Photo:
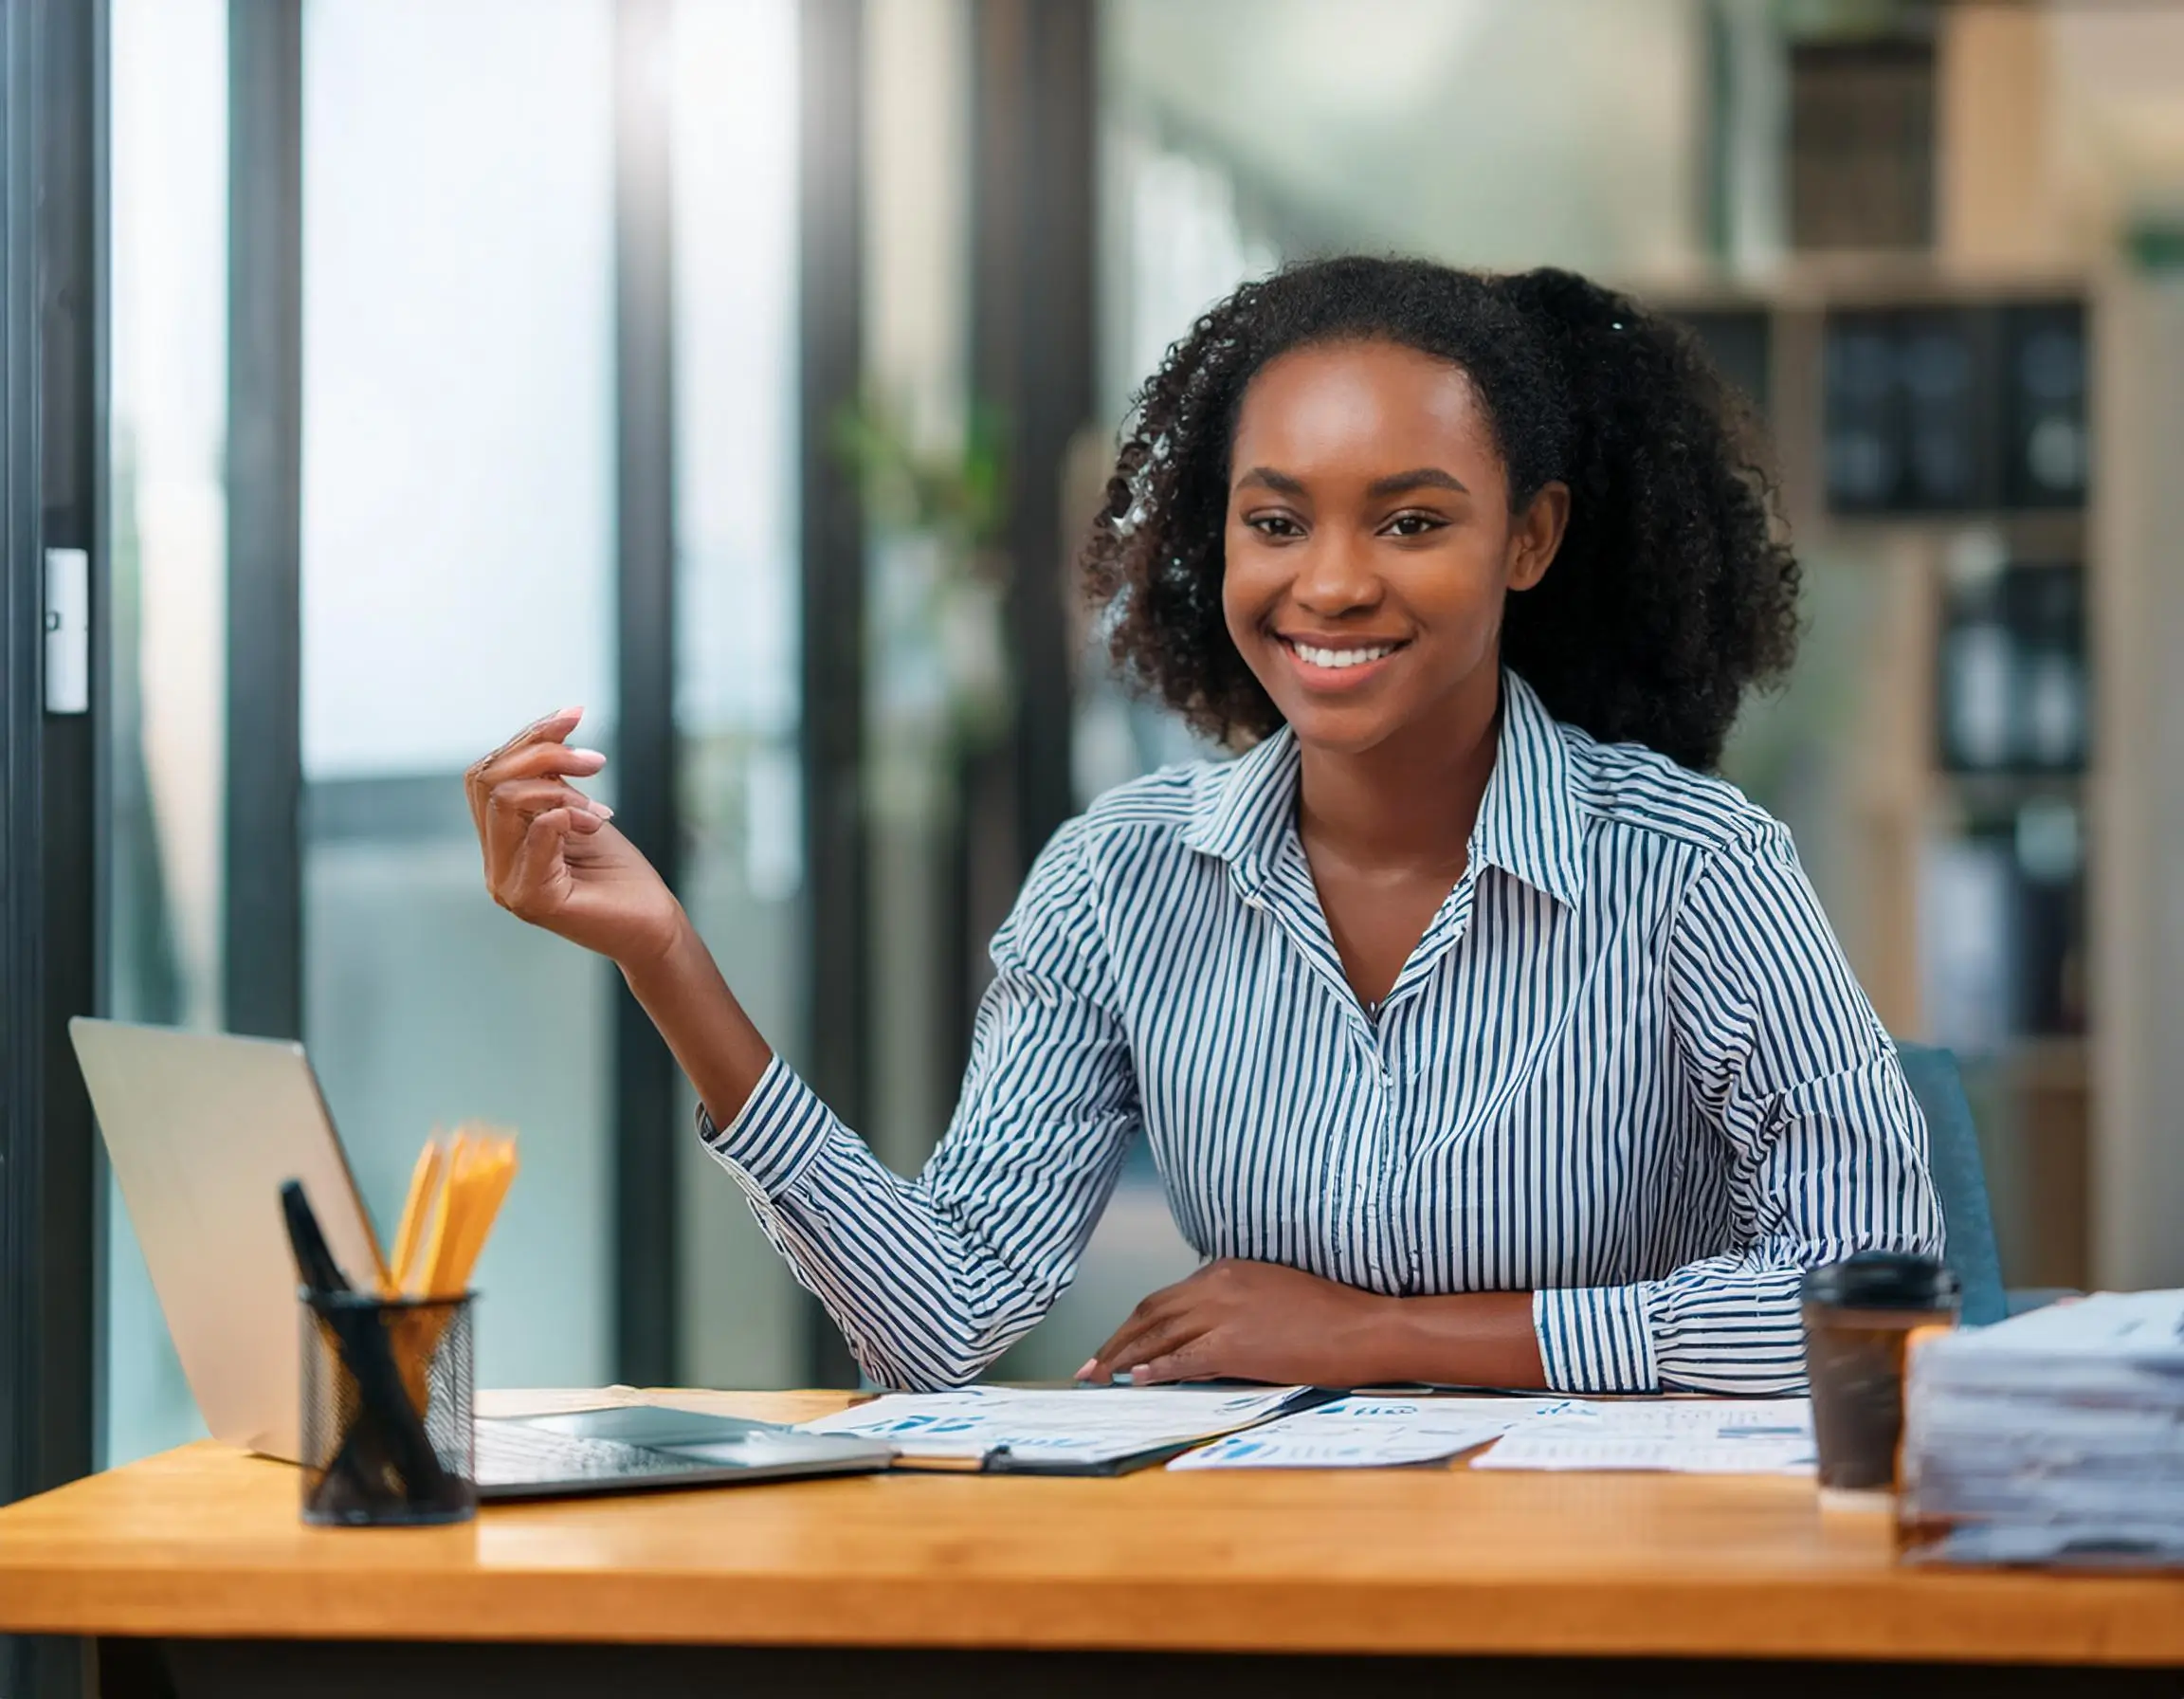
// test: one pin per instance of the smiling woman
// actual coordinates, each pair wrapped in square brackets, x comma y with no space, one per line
[1477,1037]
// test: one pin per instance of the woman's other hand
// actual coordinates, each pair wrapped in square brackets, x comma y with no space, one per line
[1251,1322]
[552,858]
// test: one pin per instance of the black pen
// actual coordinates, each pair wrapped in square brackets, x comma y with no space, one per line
[362,1342]
[315,1261]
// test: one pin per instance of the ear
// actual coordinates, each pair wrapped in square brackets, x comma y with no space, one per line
[1537,535]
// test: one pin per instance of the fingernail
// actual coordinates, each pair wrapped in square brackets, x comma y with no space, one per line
[591,755]
[1085,1372]
[602,811]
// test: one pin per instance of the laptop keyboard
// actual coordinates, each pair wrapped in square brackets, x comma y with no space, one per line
[515,1455]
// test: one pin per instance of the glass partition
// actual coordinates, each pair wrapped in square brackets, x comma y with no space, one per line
[167,96]
[737,704]
[458,569]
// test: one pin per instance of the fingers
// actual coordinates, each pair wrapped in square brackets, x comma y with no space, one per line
[1151,1312]
[527,837]
[510,809]
[539,760]
[530,888]
[1193,1360]
[554,728]
[521,798]
[1102,1362]
[542,736]
[551,727]
[1159,1342]
[1164,1319]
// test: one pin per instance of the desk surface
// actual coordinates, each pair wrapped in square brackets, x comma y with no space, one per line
[205,1541]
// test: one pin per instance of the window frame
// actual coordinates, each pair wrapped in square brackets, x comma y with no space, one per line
[52,481]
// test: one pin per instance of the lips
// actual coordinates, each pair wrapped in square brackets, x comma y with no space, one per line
[1325,663]
[1322,655]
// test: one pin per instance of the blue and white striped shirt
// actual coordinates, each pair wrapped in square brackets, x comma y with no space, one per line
[1626,1068]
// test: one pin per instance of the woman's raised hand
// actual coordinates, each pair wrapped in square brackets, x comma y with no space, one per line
[552,858]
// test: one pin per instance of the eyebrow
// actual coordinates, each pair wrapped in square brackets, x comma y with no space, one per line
[1379,489]
[1281,482]
[1418,478]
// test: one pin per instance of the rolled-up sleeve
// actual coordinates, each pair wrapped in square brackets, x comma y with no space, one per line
[1823,1145]
[930,1279]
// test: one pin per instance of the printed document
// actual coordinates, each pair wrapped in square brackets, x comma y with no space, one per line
[1368,1431]
[1712,1436]
[1083,1426]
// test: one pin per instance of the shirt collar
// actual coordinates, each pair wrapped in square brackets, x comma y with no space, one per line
[1528,821]
[1249,807]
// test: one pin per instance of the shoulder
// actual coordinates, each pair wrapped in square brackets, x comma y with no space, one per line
[1150,815]
[1125,854]
[1137,830]
[1728,870]
[1627,788]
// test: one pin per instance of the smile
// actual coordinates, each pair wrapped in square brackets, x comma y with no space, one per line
[1349,657]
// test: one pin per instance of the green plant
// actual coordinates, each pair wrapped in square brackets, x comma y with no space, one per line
[957,495]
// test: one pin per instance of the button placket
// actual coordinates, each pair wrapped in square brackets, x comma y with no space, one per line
[1387,1166]
[1445,932]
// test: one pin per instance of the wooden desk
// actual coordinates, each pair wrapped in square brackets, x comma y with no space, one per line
[200,1552]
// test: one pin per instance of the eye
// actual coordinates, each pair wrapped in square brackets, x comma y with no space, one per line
[1275,524]
[1414,525]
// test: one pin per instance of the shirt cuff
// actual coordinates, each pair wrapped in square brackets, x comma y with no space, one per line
[1595,1339]
[775,1136]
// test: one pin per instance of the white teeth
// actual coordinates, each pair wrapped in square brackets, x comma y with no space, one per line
[1342,657]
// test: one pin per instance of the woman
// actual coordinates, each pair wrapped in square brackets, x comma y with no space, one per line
[1478,1039]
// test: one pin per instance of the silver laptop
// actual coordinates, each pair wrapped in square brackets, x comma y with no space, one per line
[202,1130]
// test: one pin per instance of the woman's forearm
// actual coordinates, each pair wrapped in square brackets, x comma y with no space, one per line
[927,1290]
[1469,1338]
[1268,1322]
[714,1041]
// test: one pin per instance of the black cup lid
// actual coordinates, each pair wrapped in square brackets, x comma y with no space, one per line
[1884,1280]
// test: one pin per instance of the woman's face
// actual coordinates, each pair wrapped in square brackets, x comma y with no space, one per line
[1370,542]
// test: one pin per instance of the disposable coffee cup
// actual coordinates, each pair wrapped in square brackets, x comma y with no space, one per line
[1858,1314]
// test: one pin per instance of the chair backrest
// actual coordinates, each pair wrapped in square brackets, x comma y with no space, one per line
[1953,1153]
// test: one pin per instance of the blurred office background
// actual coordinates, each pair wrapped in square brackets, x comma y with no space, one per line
[742,370]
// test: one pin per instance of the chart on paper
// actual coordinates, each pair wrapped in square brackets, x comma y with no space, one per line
[1082,1426]
[1368,1431]
[1678,1435]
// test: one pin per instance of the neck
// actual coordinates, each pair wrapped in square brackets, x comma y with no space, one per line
[1409,802]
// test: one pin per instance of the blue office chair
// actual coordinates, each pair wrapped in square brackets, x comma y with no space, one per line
[1953,1151]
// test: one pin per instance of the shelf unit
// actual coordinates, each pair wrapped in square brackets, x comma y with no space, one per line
[2040,1098]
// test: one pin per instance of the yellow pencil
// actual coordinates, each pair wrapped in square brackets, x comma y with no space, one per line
[416,1208]
[494,1173]
[452,1169]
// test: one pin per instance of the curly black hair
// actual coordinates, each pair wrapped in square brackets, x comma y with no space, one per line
[1673,591]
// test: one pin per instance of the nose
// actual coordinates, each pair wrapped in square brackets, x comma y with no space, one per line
[1334,577]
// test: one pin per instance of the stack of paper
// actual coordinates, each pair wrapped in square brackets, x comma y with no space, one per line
[2057,1437]
[1714,1436]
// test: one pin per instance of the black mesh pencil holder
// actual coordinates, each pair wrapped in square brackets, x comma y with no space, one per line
[388,1388]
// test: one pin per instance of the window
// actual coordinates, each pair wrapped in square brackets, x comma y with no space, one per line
[458,560]
[738,707]
[167,519]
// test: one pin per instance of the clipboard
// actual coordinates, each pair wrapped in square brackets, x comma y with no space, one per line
[1012,1460]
